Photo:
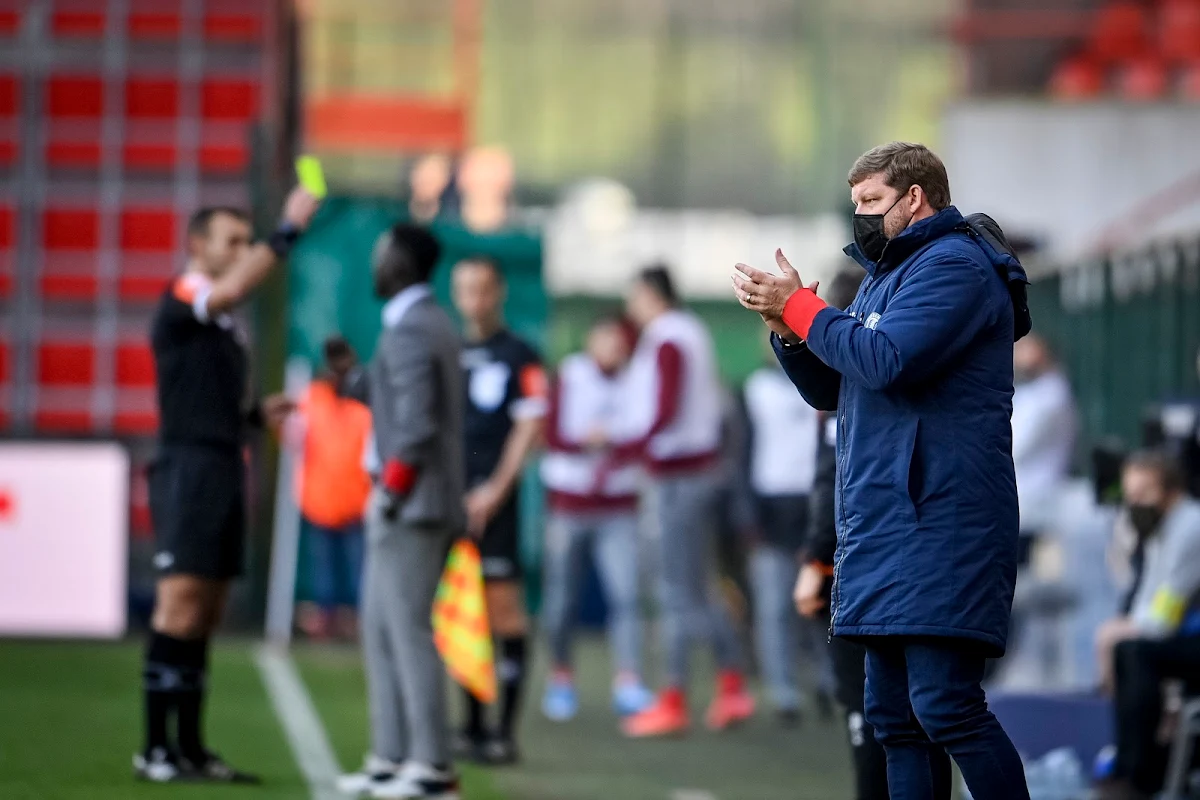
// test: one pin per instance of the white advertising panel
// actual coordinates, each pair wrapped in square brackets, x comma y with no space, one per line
[64,535]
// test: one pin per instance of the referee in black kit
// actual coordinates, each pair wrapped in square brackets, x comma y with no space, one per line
[196,482]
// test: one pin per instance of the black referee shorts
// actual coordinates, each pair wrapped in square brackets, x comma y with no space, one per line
[500,547]
[198,506]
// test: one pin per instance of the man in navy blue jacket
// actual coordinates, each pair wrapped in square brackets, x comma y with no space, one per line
[919,369]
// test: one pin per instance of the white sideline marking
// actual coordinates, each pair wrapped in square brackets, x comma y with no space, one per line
[301,725]
[692,794]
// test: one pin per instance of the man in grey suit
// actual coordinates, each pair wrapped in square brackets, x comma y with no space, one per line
[414,513]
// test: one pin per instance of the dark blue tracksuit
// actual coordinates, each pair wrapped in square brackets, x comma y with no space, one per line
[919,370]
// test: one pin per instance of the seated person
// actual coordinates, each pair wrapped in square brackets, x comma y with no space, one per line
[1167,525]
[1140,650]
[1142,666]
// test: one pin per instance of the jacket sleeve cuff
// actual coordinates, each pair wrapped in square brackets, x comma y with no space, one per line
[800,310]
[398,477]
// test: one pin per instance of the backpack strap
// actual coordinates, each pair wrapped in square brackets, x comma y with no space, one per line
[990,238]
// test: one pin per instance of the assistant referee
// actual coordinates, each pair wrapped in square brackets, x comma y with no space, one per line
[197,481]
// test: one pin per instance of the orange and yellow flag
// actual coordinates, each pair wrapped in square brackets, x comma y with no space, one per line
[460,623]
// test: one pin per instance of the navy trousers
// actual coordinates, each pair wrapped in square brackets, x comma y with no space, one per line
[926,693]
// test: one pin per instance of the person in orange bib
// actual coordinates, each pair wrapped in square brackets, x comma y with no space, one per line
[332,486]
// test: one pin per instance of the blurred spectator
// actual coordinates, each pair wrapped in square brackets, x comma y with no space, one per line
[1166,556]
[735,512]
[332,487]
[592,508]
[674,374]
[1043,425]
[1142,667]
[428,181]
[485,183]
[782,451]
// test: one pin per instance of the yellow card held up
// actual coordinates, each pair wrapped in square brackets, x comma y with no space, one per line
[312,177]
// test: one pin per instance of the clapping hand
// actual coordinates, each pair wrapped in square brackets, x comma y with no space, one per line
[767,294]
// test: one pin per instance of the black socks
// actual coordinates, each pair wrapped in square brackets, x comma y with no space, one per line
[191,702]
[510,671]
[475,728]
[173,679]
[510,674]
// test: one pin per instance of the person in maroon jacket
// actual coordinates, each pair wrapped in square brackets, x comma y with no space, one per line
[591,507]
[675,386]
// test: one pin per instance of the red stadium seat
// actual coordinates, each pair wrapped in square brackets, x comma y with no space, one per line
[1142,80]
[1077,78]
[1179,30]
[74,104]
[62,421]
[234,21]
[135,423]
[4,359]
[1119,32]
[10,22]
[75,287]
[66,363]
[148,156]
[147,230]
[10,96]
[69,235]
[73,154]
[233,27]
[142,288]
[74,96]
[149,145]
[234,99]
[151,25]
[7,245]
[134,364]
[224,158]
[151,97]
[8,152]
[70,228]
[155,19]
[77,19]
[7,228]
[136,412]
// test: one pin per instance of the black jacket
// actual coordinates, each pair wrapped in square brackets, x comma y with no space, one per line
[821,541]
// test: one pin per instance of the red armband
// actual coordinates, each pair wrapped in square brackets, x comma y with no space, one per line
[800,310]
[398,477]
[822,567]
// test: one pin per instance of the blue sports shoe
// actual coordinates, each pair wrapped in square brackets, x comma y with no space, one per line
[561,701]
[631,697]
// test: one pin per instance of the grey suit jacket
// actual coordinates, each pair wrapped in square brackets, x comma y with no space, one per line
[417,408]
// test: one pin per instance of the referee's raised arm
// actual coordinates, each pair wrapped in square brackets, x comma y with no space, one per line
[232,287]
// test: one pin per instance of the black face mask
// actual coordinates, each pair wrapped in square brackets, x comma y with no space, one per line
[1145,519]
[868,231]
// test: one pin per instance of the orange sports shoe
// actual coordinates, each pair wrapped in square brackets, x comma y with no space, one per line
[732,704]
[668,716]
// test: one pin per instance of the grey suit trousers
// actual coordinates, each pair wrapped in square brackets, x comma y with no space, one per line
[405,676]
